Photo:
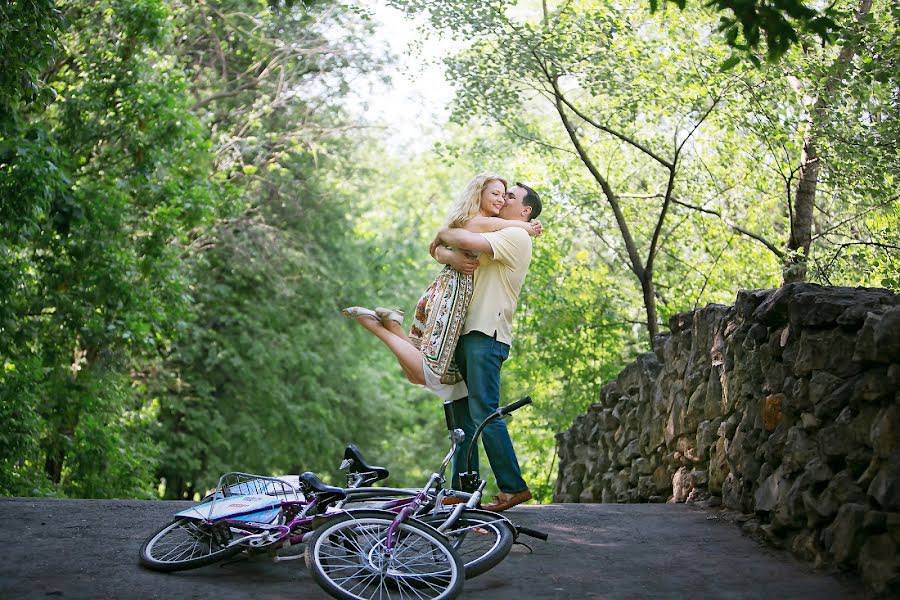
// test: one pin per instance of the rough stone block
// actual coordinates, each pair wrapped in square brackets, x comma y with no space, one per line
[718,466]
[630,452]
[767,494]
[700,478]
[884,435]
[748,300]
[803,545]
[885,487]
[835,401]
[800,396]
[642,466]
[873,386]
[821,384]
[843,538]
[706,437]
[841,490]
[790,511]
[879,338]
[879,563]
[590,494]
[682,484]
[809,421]
[772,449]
[799,449]
[675,424]
[771,410]
[830,350]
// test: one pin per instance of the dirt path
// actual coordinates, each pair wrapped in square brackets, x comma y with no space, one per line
[88,549]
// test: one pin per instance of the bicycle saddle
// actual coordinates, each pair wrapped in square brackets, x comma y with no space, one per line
[355,462]
[312,481]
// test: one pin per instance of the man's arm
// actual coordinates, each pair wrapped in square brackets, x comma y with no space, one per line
[458,261]
[482,224]
[457,237]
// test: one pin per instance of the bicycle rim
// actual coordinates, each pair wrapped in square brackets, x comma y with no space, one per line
[349,558]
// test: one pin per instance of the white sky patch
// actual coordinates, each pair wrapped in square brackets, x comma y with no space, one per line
[414,106]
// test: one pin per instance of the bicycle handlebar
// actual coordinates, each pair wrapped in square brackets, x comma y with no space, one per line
[505,410]
[499,413]
[533,533]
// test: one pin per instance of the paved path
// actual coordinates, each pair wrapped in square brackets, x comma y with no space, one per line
[87,549]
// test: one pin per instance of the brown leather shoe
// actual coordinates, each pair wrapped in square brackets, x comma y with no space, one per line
[448,501]
[505,501]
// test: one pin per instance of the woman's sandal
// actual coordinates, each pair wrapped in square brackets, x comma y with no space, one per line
[358,311]
[389,314]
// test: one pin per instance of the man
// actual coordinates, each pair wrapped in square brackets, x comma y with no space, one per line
[487,334]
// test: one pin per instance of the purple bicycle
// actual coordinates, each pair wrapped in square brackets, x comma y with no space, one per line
[353,554]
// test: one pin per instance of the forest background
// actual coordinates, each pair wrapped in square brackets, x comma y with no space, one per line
[191,190]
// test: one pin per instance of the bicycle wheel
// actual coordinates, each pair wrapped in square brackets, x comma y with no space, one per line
[187,544]
[349,559]
[480,539]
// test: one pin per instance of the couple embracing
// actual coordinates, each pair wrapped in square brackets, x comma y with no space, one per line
[462,328]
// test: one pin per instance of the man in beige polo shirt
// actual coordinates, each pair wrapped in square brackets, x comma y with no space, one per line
[487,335]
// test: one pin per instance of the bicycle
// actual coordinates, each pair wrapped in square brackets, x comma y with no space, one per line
[353,554]
[481,538]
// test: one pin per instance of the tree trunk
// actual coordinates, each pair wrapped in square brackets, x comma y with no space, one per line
[795,268]
[649,293]
[795,265]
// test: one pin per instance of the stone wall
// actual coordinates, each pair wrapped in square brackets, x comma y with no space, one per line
[784,407]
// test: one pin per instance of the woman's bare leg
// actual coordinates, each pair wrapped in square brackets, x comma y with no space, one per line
[408,356]
[397,329]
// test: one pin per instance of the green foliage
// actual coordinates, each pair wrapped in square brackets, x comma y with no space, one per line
[29,40]
[186,204]
[94,188]
[753,26]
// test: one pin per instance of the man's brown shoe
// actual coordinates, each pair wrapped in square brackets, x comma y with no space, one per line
[450,500]
[504,501]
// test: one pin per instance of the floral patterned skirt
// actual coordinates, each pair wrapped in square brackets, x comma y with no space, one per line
[438,321]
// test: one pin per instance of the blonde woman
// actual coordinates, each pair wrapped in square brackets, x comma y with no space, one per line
[426,354]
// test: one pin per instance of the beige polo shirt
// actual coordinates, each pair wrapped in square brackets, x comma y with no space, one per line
[498,282]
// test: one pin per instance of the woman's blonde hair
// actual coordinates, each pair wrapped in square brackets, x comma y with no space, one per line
[469,201]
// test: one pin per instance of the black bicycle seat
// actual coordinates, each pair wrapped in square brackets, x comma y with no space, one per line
[359,464]
[315,484]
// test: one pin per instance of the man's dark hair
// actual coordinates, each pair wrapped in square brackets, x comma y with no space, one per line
[531,200]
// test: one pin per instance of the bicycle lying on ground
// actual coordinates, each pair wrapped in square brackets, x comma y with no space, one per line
[410,546]
[481,538]
[354,554]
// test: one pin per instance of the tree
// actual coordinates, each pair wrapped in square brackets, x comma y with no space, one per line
[802,206]
[592,67]
[262,376]
[96,185]
[649,92]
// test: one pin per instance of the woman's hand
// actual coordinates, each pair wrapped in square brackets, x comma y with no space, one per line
[434,244]
[536,228]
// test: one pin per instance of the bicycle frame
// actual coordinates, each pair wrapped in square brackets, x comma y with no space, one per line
[424,499]
[261,535]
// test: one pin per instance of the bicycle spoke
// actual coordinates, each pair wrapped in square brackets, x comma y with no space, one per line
[354,557]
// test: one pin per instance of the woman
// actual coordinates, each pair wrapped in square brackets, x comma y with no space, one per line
[426,354]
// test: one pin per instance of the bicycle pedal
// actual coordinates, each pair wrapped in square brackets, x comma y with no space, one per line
[277,558]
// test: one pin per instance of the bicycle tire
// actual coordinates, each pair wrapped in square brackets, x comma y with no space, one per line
[185,544]
[482,547]
[347,558]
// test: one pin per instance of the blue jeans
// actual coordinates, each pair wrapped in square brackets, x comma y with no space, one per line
[479,358]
